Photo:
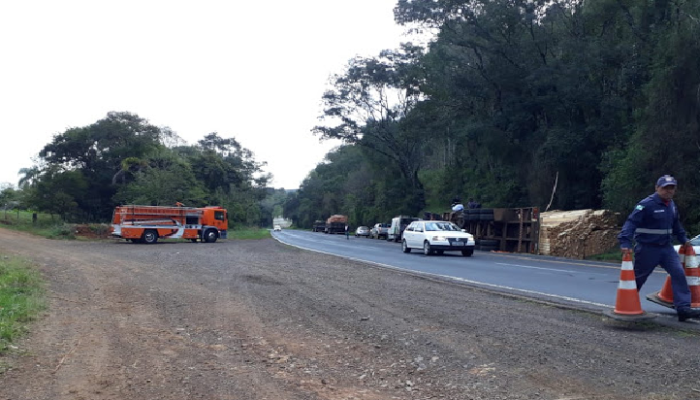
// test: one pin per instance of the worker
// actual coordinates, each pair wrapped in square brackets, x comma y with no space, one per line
[652,224]
[347,232]
[457,205]
[473,204]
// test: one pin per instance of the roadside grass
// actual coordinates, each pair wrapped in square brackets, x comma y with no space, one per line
[21,298]
[51,227]
[249,233]
[46,225]
[612,256]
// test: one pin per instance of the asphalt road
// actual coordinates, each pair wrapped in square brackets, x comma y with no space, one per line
[583,283]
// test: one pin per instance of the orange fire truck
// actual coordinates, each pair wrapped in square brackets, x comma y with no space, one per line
[145,224]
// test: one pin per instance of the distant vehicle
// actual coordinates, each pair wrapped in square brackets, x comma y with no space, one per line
[398,224]
[379,231]
[278,228]
[147,224]
[319,226]
[437,237]
[695,242]
[362,231]
[336,224]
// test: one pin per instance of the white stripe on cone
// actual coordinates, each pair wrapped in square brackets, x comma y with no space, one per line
[630,285]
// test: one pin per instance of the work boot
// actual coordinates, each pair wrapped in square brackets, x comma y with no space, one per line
[688,313]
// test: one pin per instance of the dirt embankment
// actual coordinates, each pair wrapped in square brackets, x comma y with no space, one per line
[260,320]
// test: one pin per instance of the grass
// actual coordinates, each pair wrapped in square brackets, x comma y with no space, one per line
[612,256]
[46,225]
[248,233]
[21,298]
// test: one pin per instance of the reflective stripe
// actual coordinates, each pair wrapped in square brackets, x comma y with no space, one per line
[691,262]
[654,231]
[627,266]
[693,280]
[630,285]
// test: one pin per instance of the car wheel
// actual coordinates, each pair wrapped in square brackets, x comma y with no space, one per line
[210,236]
[150,236]
[468,253]
[405,248]
[426,248]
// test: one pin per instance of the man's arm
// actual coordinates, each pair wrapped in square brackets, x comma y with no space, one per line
[633,221]
[678,227]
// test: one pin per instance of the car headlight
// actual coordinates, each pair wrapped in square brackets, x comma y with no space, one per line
[439,238]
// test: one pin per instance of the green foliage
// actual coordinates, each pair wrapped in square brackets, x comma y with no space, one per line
[62,231]
[21,298]
[251,233]
[122,159]
[513,95]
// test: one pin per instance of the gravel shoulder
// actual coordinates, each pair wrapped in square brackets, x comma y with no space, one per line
[261,320]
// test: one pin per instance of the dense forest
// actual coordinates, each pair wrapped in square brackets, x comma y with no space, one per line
[557,104]
[83,173]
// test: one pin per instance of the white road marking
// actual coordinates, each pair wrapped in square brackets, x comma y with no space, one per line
[477,283]
[545,269]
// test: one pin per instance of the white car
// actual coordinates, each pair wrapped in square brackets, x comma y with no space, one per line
[278,228]
[437,236]
[695,242]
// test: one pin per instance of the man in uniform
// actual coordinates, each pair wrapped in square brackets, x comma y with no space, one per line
[652,224]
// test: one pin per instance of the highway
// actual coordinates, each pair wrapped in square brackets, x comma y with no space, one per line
[587,284]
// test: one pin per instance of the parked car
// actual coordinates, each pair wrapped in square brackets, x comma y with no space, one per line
[278,228]
[379,231]
[362,231]
[398,224]
[695,242]
[437,237]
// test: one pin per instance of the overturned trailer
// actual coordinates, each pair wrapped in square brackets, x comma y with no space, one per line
[513,230]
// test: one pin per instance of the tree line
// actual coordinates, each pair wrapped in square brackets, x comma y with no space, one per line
[84,172]
[560,104]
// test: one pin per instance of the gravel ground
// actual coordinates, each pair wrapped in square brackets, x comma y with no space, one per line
[261,320]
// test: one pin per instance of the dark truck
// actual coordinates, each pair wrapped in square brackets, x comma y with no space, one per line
[319,226]
[336,224]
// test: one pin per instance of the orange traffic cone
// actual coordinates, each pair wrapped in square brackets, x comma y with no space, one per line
[666,293]
[692,275]
[627,305]
[689,261]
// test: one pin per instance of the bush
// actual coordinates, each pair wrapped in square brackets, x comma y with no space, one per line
[63,231]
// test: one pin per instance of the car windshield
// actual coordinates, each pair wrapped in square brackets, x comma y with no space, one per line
[695,241]
[441,226]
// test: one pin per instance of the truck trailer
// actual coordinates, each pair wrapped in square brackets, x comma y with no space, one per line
[147,224]
[336,223]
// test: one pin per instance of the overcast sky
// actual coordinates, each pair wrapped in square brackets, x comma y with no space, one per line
[250,70]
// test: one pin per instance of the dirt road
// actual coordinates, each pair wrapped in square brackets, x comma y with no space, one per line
[260,320]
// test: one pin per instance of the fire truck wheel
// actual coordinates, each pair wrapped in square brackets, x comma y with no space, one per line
[210,236]
[150,236]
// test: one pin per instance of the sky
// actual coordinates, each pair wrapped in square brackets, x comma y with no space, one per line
[254,71]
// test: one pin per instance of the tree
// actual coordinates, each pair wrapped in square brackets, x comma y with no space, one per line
[370,100]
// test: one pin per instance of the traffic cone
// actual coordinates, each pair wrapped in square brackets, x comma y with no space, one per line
[666,293]
[692,275]
[627,302]
[627,305]
[689,261]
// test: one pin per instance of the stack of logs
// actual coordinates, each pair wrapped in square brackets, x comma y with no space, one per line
[578,234]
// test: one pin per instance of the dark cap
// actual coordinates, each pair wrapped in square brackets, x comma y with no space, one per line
[666,180]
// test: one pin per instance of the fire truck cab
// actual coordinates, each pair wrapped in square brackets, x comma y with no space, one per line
[147,224]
